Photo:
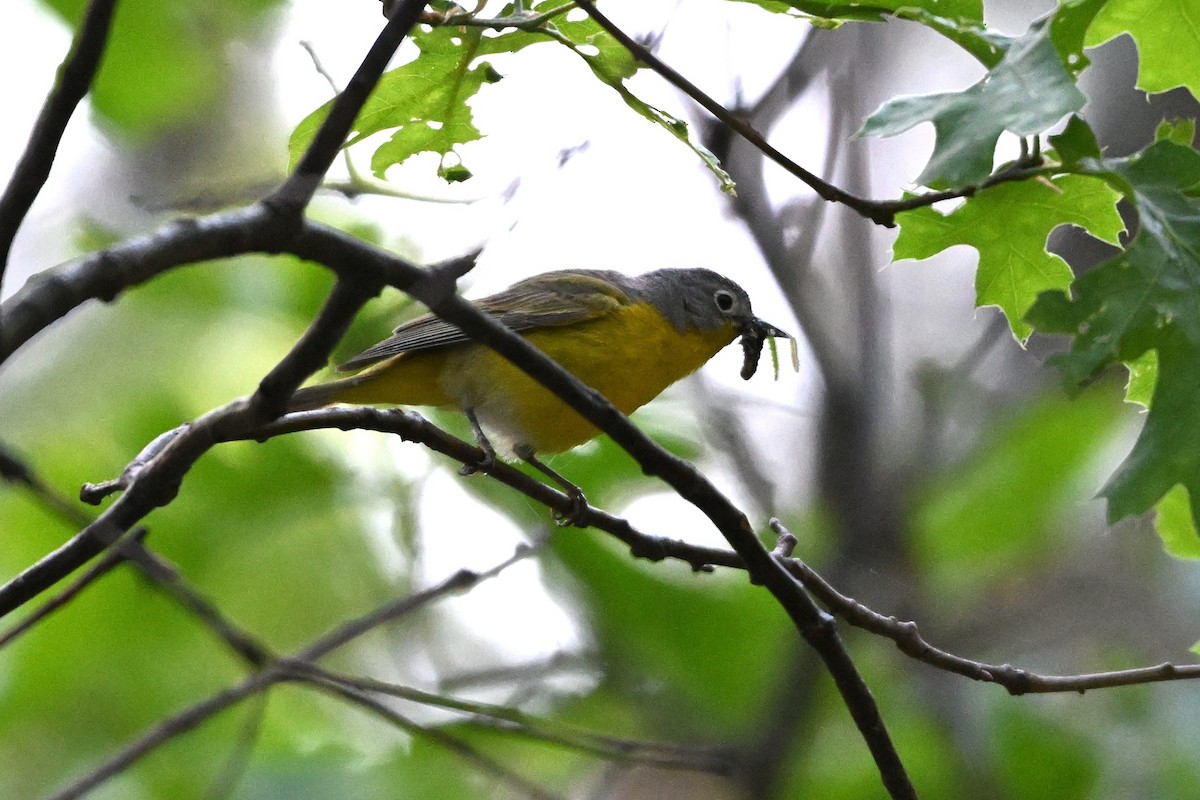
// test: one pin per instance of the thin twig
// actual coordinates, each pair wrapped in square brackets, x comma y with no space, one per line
[657,754]
[102,567]
[132,549]
[16,470]
[167,729]
[880,212]
[826,190]
[447,741]
[163,574]
[235,765]
[1015,680]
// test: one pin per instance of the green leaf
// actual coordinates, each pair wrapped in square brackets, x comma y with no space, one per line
[968,33]
[454,173]
[1173,523]
[1182,132]
[1168,450]
[1008,225]
[960,21]
[607,57]
[1148,297]
[1068,29]
[425,101]
[1025,93]
[1143,374]
[1077,144]
[1167,36]
[1122,306]
[949,11]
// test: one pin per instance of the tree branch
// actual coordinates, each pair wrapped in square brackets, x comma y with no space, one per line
[715,761]
[871,210]
[311,352]
[104,565]
[463,749]
[297,191]
[1014,679]
[74,79]
[156,482]
[881,212]
[277,671]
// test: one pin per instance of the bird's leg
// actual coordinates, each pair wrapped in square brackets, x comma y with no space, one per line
[489,452]
[579,503]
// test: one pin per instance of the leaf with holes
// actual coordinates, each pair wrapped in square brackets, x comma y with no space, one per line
[425,101]
[1008,225]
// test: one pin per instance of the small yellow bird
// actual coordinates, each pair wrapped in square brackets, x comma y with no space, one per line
[627,337]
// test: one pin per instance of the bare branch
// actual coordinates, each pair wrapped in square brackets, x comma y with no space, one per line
[163,574]
[873,211]
[222,786]
[165,731]
[275,672]
[74,79]
[1015,680]
[102,567]
[461,748]
[54,293]
[312,351]
[15,470]
[881,212]
[297,191]
[510,720]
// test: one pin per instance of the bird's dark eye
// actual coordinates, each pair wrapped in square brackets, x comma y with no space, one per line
[724,299]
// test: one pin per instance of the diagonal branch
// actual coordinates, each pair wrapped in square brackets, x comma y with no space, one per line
[165,731]
[74,79]
[656,754]
[447,741]
[881,212]
[104,565]
[867,208]
[313,349]
[188,719]
[156,482]
[294,195]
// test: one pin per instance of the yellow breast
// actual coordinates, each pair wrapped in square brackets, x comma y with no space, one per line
[629,356]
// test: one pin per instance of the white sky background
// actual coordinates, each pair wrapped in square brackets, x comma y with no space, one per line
[634,200]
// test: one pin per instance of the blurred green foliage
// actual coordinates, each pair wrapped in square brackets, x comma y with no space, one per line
[174,56]
[287,537]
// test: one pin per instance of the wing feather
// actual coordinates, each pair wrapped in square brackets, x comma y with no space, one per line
[551,299]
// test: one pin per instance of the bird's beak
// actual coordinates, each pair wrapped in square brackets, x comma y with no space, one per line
[764,329]
[754,334]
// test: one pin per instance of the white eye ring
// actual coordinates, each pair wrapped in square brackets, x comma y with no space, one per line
[724,299]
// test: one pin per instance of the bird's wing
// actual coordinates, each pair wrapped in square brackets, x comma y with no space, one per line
[548,300]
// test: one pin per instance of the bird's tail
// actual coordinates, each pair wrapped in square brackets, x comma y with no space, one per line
[322,394]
